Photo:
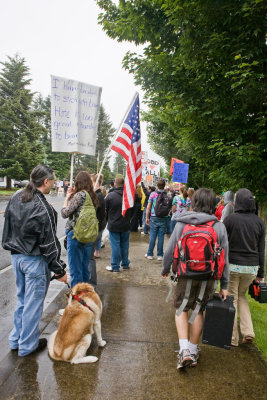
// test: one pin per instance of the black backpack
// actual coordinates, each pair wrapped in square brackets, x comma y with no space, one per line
[163,205]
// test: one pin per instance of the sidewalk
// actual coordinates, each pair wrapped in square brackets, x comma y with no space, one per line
[139,360]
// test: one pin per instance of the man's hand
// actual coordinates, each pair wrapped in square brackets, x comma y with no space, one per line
[63,279]
[223,293]
[147,221]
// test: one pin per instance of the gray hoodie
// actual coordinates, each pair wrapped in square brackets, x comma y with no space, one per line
[228,204]
[196,218]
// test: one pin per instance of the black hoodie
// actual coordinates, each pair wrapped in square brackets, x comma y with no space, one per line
[245,233]
[113,203]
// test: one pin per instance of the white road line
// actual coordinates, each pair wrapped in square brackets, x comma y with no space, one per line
[5,269]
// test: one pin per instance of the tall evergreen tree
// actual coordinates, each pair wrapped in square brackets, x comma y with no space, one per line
[20,134]
[119,166]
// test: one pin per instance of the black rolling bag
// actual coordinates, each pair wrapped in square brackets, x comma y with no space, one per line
[219,322]
[258,291]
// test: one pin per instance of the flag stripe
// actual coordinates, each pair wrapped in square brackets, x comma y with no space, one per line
[128,144]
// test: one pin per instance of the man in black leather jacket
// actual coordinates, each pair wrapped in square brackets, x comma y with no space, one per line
[30,235]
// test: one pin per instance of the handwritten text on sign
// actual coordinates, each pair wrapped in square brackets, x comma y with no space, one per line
[74,116]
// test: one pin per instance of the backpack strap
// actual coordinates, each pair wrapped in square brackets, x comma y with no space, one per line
[199,300]
[186,297]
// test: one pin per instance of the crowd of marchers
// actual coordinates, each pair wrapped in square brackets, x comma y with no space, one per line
[225,231]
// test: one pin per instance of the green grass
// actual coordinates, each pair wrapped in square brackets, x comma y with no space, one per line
[259,319]
[6,192]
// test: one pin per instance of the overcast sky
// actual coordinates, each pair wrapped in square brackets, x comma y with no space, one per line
[63,38]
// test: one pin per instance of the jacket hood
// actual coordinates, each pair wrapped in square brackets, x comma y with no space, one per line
[195,218]
[228,196]
[119,190]
[244,201]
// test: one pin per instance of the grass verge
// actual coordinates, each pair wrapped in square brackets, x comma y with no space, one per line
[6,192]
[259,319]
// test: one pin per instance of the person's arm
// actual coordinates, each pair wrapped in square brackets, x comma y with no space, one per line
[49,245]
[144,189]
[107,206]
[174,205]
[71,204]
[169,252]
[261,249]
[223,242]
[148,210]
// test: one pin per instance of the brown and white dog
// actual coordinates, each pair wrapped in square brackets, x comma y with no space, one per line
[80,319]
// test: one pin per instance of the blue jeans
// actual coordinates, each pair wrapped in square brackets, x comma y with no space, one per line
[32,281]
[98,243]
[146,227]
[169,229]
[158,228]
[92,263]
[119,242]
[78,259]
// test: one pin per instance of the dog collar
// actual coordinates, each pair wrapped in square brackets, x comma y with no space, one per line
[81,301]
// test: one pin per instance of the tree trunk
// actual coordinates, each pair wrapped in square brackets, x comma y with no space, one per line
[8,183]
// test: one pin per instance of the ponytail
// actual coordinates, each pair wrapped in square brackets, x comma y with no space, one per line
[38,176]
[28,192]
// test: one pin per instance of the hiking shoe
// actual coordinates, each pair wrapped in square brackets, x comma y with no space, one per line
[160,258]
[184,359]
[195,358]
[109,268]
[247,340]
[41,345]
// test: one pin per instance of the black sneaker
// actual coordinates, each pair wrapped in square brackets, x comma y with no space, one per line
[41,345]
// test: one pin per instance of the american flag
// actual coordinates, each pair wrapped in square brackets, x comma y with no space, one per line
[128,144]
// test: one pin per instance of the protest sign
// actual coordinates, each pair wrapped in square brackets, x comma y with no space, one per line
[174,160]
[153,167]
[180,172]
[74,115]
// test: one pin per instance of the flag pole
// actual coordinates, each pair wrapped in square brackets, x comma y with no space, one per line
[114,138]
[71,168]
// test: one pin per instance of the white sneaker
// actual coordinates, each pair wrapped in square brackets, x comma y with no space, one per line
[109,268]
[185,359]
[149,257]
[160,258]
[61,311]
[143,233]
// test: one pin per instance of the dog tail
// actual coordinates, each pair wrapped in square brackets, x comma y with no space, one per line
[50,345]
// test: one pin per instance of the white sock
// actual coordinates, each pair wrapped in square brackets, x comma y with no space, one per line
[183,343]
[192,348]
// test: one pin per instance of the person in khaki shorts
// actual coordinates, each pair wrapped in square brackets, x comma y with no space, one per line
[246,256]
[203,205]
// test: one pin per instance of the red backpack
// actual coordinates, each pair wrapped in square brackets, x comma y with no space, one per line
[197,254]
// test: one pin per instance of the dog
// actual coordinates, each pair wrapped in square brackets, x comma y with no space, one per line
[80,320]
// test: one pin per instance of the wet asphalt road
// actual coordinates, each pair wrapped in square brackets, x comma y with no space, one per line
[139,360]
